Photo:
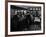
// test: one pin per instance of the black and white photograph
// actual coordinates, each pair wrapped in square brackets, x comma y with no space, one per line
[25,18]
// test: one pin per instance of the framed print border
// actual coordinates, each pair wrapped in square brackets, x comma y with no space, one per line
[6,17]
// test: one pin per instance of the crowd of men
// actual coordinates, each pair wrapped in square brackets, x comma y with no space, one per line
[20,21]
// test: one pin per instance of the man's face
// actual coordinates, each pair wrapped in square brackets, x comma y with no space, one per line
[19,14]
